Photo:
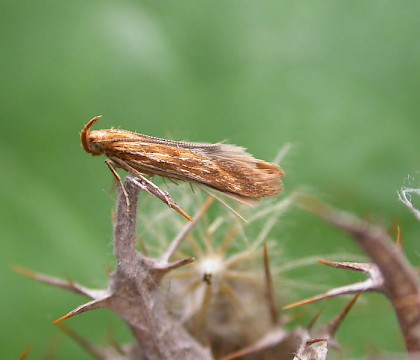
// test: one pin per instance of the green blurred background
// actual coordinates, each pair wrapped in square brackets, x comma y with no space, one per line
[339,80]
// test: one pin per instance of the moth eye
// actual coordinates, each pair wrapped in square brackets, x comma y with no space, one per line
[96,147]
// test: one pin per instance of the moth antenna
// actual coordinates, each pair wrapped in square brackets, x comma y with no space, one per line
[84,134]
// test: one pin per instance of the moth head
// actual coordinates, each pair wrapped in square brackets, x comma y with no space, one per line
[90,140]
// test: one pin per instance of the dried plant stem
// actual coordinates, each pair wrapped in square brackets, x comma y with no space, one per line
[136,296]
[400,280]
[405,196]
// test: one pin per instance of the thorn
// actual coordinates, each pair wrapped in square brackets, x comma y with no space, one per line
[25,353]
[304,302]
[347,265]
[117,347]
[113,342]
[69,285]
[375,282]
[30,274]
[360,287]
[399,237]
[314,319]
[175,265]
[269,288]
[185,231]
[63,318]
[89,347]
[91,305]
[335,324]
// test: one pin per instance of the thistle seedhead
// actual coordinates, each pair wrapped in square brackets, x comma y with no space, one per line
[221,296]
[227,298]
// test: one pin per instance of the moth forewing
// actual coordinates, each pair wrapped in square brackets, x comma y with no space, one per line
[223,167]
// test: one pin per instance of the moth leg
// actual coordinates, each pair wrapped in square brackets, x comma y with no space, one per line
[150,187]
[145,184]
[117,177]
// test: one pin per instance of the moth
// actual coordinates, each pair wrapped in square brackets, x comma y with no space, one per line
[220,166]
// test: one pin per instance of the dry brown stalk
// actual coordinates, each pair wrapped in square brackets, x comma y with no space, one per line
[390,272]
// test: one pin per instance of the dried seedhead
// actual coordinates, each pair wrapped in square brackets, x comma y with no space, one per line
[205,289]
[221,297]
